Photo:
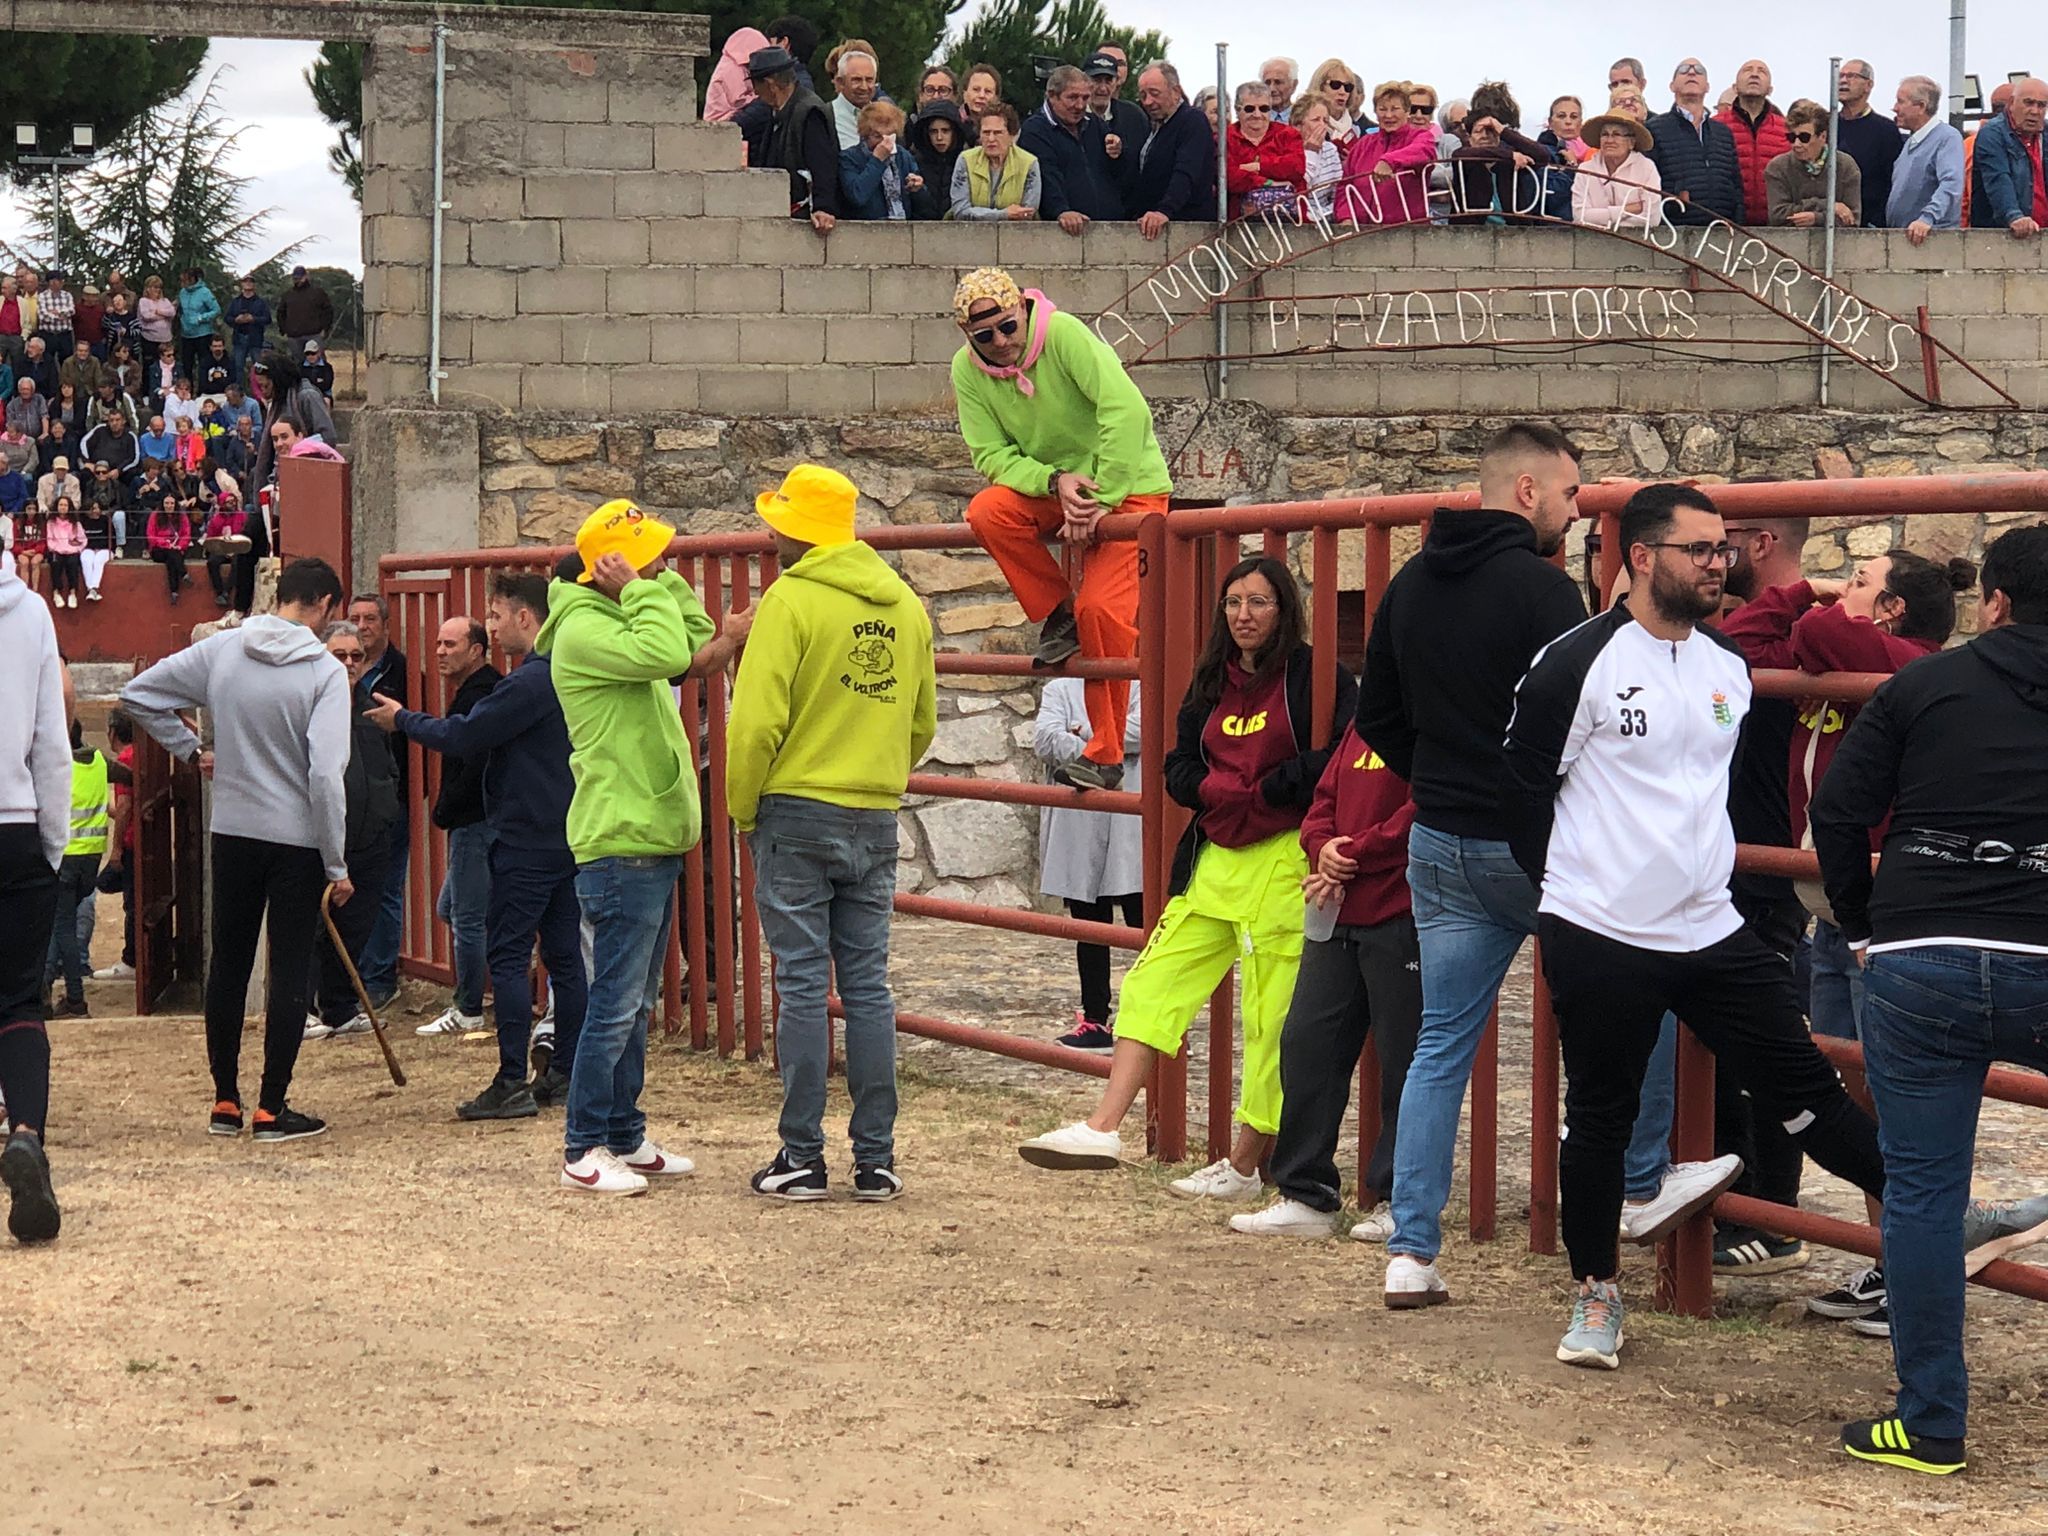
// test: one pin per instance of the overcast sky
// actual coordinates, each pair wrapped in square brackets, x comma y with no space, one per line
[1542,50]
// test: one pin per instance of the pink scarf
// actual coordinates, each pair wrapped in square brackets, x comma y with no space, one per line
[1038,311]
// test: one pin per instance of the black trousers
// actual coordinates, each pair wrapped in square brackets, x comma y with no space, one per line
[353,920]
[1092,960]
[1737,997]
[1360,981]
[252,878]
[173,562]
[28,910]
[1771,1159]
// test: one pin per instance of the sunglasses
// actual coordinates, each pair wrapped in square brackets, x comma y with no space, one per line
[347,655]
[1250,107]
[988,333]
[1338,85]
[1801,138]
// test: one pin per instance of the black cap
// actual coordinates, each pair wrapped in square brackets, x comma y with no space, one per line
[298,271]
[1101,64]
[763,62]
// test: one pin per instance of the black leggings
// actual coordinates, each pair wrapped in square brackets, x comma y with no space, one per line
[28,909]
[173,562]
[1093,959]
[1737,997]
[252,878]
[67,574]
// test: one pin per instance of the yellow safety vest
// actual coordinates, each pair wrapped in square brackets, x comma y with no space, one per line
[91,812]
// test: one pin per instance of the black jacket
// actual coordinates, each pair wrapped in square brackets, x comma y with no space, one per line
[370,786]
[756,119]
[1952,746]
[1177,168]
[1874,142]
[1127,120]
[461,801]
[1701,162]
[936,168]
[1078,174]
[803,141]
[1454,634]
[1291,785]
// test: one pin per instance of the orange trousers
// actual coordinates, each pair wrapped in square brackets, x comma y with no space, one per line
[1012,527]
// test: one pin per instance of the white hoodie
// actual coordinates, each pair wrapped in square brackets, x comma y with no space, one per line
[35,745]
[280,708]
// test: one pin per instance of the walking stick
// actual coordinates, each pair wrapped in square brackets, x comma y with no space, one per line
[362,993]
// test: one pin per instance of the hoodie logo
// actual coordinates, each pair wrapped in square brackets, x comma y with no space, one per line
[1630,693]
[873,657]
[1724,717]
[1244,725]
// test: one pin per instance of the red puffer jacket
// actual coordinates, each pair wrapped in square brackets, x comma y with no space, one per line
[1757,144]
[1279,157]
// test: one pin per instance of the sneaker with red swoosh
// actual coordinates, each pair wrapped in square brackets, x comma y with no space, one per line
[600,1172]
[652,1160]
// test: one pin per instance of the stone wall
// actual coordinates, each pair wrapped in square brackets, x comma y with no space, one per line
[540,474]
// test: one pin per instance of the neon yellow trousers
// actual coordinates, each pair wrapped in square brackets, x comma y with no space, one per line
[1242,906]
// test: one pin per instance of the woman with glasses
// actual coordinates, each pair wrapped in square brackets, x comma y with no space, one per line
[1338,84]
[1245,762]
[1619,187]
[1796,182]
[1384,172]
[1264,161]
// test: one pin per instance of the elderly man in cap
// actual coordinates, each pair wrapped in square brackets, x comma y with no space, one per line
[614,637]
[1124,122]
[835,702]
[1064,438]
[801,138]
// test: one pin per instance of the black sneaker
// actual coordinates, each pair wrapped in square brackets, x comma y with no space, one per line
[1874,1325]
[1889,1441]
[549,1088]
[1058,637]
[1746,1251]
[1087,1035]
[501,1101]
[785,1179]
[1859,1298]
[70,1008]
[873,1183]
[227,1119]
[1085,773]
[287,1125]
[32,1216]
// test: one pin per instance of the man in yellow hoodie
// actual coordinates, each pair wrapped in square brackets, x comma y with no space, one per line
[614,636]
[835,702]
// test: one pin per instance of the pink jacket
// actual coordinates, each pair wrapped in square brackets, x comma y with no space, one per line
[226,523]
[170,530]
[313,448]
[730,89]
[66,536]
[1603,203]
[1361,198]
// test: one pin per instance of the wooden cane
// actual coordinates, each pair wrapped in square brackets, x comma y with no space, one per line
[356,981]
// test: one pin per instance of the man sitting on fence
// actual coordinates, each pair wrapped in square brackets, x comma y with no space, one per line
[1064,437]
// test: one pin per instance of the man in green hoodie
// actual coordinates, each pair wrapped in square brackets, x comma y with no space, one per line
[835,702]
[614,637]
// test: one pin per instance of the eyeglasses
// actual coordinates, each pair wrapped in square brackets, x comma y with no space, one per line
[1703,554]
[348,655]
[1857,74]
[1247,604]
[987,334]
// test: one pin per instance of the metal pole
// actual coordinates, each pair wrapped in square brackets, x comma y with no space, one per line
[1958,29]
[434,374]
[56,216]
[1827,312]
[1223,109]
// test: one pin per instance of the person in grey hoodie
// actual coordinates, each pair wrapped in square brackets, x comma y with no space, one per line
[35,817]
[280,709]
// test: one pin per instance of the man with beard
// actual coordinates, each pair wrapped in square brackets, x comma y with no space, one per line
[1620,747]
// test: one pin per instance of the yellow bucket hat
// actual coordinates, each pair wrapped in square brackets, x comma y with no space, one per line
[814,506]
[621,528]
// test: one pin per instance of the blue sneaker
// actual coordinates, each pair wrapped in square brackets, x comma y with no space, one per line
[1594,1338]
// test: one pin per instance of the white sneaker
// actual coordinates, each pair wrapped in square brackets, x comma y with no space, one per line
[1218,1181]
[452,1021]
[599,1172]
[120,970]
[1286,1218]
[650,1160]
[1375,1226]
[1074,1146]
[358,1025]
[1412,1283]
[315,1030]
[1687,1188]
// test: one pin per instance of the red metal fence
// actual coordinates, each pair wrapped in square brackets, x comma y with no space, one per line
[1182,555]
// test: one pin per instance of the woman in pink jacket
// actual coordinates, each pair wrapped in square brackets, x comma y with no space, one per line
[65,536]
[1619,186]
[730,88]
[169,536]
[1384,172]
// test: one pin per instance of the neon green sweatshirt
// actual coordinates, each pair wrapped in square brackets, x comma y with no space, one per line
[1084,415]
[836,698]
[636,786]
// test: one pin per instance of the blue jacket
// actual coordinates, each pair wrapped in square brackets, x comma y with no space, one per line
[1077,174]
[197,310]
[527,784]
[1177,170]
[258,308]
[860,182]
[1927,181]
[1701,161]
[2002,176]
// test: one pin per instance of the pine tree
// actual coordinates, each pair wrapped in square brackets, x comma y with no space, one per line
[1010,33]
[58,79]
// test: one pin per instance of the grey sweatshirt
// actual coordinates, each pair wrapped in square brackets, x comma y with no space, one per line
[280,707]
[35,746]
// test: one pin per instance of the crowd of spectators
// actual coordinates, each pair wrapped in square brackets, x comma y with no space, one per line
[137,424]
[1087,143]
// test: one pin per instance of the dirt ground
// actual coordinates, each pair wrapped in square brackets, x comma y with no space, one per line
[406,1327]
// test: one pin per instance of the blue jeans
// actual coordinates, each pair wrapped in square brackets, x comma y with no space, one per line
[534,895]
[1649,1150]
[465,894]
[629,903]
[244,349]
[1473,908]
[380,955]
[1835,1004]
[70,951]
[825,881]
[1937,1019]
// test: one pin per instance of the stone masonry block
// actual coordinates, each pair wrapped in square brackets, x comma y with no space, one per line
[933,341]
[639,195]
[834,291]
[704,339]
[746,391]
[782,339]
[480,292]
[394,290]
[391,380]
[605,340]
[696,242]
[565,389]
[567,100]
[542,145]
[1572,389]
[1963,293]
[651,290]
[397,145]
[869,243]
[655,389]
[912,291]
[495,382]
[519,243]
[2026,293]
[1107,244]
[2010,338]
[608,147]
[654,101]
[867,340]
[568,195]
[956,246]
[834,391]
[746,194]
[697,147]
[619,242]
[525,339]
[395,238]
[913,388]
[739,291]
[1037,245]
[782,243]
[564,291]
[398,335]
[482,197]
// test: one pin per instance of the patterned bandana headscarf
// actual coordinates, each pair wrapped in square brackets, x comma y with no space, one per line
[992,285]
